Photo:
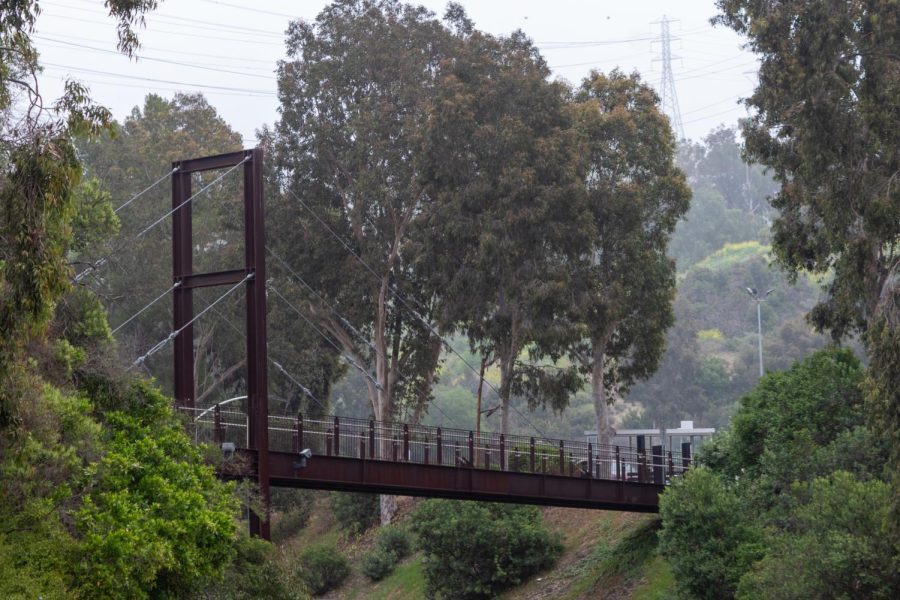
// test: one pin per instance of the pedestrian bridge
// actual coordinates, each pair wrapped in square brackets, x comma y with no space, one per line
[415,460]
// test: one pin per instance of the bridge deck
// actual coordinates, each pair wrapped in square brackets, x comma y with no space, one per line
[370,456]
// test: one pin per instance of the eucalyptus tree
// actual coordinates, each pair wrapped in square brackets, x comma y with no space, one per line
[38,177]
[826,120]
[355,92]
[509,218]
[636,195]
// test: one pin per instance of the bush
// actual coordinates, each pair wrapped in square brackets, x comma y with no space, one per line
[355,512]
[477,549]
[254,573]
[323,568]
[396,540]
[707,536]
[378,564]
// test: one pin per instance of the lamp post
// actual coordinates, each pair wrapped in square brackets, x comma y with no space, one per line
[759,300]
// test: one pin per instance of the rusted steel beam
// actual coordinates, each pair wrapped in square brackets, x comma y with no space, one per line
[208,163]
[200,280]
[346,474]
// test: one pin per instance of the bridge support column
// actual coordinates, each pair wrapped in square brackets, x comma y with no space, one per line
[253,276]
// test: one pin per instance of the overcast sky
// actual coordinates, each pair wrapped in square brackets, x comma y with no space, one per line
[228,49]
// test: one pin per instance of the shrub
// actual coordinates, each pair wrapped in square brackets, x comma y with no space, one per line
[477,549]
[355,512]
[396,540]
[378,564]
[323,568]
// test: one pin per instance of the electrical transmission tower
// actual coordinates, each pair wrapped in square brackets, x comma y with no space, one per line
[667,93]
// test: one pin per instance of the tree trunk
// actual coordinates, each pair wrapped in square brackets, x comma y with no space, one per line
[388,508]
[506,366]
[598,392]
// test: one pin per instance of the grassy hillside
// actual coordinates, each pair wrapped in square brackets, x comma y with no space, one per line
[607,555]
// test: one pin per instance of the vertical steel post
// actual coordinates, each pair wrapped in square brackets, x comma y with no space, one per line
[372,439]
[183,307]
[257,359]
[471,449]
[440,447]
[502,452]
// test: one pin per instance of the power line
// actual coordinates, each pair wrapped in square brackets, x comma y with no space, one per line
[153,59]
[169,81]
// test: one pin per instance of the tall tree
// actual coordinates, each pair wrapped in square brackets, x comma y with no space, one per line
[355,91]
[39,175]
[636,195]
[509,217]
[827,121]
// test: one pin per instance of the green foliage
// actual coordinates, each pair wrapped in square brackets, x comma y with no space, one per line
[254,572]
[732,254]
[155,519]
[392,545]
[838,545]
[355,512]
[836,160]
[782,424]
[323,568]
[707,536]
[708,226]
[636,196]
[507,218]
[476,549]
[766,503]
[394,539]
[378,564]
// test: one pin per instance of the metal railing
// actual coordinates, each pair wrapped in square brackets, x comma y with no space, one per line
[420,444]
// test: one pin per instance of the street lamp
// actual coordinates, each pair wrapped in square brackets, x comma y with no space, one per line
[759,300]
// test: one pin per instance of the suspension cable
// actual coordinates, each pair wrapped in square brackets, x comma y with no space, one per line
[354,363]
[151,303]
[200,191]
[278,365]
[422,319]
[147,189]
[165,341]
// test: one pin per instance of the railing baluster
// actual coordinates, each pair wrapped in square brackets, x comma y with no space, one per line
[590,460]
[371,439]
[471,449]
[562,457]
[502,452]
[337,436]
[217,425]
[440,447]
[405,442]
[531,453]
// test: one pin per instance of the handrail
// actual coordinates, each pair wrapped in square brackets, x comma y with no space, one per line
[421,444]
